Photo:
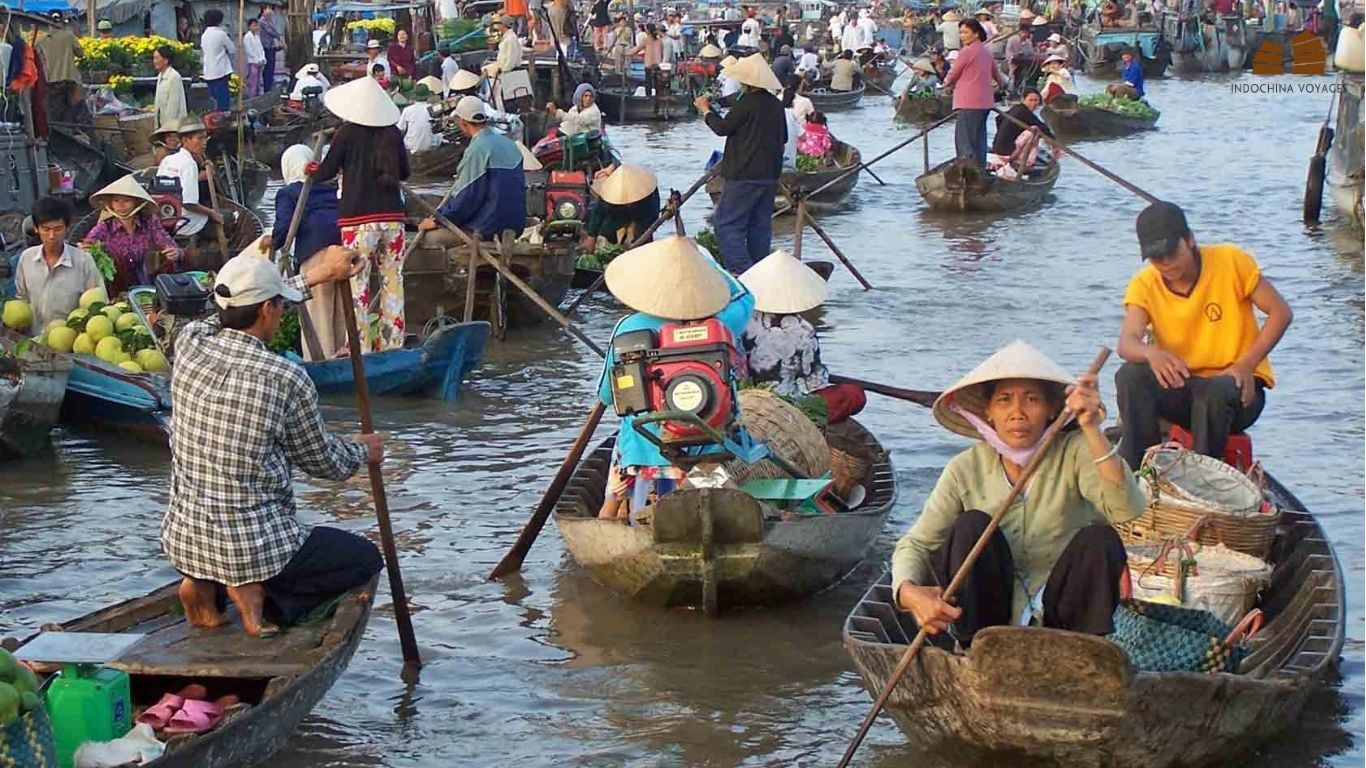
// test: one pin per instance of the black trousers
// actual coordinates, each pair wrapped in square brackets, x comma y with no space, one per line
[1210,407]
[1080,595]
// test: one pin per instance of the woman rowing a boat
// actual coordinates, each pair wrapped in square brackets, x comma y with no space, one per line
[1055,561]
[130,231]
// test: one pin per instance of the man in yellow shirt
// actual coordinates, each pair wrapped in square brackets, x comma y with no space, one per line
[1205,364]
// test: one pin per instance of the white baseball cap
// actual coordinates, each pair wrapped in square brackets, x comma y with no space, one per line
[472,109]
[249,279]
[310,69]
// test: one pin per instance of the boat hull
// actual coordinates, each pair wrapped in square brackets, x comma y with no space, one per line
[435,280]
[920,111]
[1346,169]
[101,396]
[962,188]
[826,100]
[622,108]
[435,369]
[792,182]
[31,394]
[440,164]
[1082,122]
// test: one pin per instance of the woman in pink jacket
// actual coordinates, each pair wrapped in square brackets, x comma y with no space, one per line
[973,80]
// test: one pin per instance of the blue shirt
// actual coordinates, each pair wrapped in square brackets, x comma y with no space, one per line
[317,229]
[490,189]
[1132,73]
[633,449]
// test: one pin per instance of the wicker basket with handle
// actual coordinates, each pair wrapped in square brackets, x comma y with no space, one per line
[1216,579]
[787,432]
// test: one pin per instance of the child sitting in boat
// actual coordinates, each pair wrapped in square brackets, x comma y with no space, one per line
[815,140]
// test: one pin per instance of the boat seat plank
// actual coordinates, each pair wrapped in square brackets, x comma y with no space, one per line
[873,627]
[885,613]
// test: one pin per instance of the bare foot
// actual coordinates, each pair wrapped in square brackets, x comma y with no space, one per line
[250,600]
[197,597]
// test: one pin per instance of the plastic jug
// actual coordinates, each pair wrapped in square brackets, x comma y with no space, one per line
[88,703]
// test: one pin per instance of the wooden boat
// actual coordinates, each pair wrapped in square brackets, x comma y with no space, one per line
[103,396]
[440,164]
[622,107]
[922,110]
[958,185]
[280,679]
[1346,170]
[826,100]
[1048,697]
[721,548]
[243,228]
[434,367]
[32,385]
[846,156]
[1082,122]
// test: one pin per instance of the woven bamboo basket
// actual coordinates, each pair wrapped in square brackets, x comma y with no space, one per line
[848,464]
[1218,579]
[137,133]
[787,432]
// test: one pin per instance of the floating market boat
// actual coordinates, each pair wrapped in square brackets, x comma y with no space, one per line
[32,386]
[434,367]
[1099,49]
[846,157]
[439,164]
[278,680]
[1047,697]
[102,395]
[960,186]
[1346,170]
[825,99]
[922,109]
[1201,46]
[722,548]
[622,107]
[1083,121]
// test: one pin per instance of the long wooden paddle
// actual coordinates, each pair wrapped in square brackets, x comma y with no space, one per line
[219,227]
[1064,149]
[512,561]
[917,396]
[962,574]
[306,329]
[407,640]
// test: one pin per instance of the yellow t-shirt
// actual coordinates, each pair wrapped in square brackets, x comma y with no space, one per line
[1212,327]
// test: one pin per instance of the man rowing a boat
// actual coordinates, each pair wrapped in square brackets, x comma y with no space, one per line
[1205,366]
[490,190]
[245,417]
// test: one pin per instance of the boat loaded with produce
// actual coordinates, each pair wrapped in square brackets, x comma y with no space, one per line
[1099,115]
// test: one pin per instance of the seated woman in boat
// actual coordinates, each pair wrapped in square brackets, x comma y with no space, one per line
[923,78]
[130,231]
[1056,560]
[583,117]
[1057,79]
[463,83]
[782,349]
[1109,14]
[627,205]
[669,280]
[1018,147]
[815,140]
[318,229]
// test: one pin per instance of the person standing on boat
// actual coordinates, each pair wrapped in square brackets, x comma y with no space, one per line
[1206,366]
[169,107]
[1019,57]
[509,57]
[131,233]
[245,418]
[756,133]
[669,280]
[318,229]
[52,275]
[256,57]
[183,167]
[650,46]
[972,78]
[272,37]
[948,31]
[450,67]
[1056,560]
[59,49]
[489,196]
[601,23]
[673,37]
[217,49]
[783,66]
[367,150]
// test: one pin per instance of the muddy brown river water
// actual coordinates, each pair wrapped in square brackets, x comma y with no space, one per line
[547,669]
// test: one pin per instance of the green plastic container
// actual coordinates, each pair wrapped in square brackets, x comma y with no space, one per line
[88,703]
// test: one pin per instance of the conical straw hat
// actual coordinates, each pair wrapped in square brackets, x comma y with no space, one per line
[923,65]
[362,102]
[529,161]
[952,16]
[782,285]
[126,186]
[669,278]
[753,70]
[729,61]
[1016,360]
[710,51]
[464,80]
[628,184]
[433,84]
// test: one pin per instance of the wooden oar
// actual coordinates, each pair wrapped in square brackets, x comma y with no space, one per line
[306,328]
[1064,149]
[213,201]
[958,578]
[512,561]
[1318,168]
[407,640]
[917,396]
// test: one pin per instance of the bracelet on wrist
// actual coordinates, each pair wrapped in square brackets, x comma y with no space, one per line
[1110,453]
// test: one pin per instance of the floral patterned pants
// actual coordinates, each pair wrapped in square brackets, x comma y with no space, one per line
[381,246]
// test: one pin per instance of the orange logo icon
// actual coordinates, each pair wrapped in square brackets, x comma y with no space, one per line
[1306,51]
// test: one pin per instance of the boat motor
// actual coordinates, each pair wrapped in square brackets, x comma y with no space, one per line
[566,206]
[166,196]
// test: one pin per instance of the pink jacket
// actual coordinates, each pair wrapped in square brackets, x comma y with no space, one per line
[972,78]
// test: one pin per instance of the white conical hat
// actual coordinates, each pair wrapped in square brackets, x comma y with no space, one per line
[529,161]
[924,65]
[627,184]
[1016,360]
[729,61]
[464,80]
[126,186]
[363,102]
[753,70]
[433,84]
[669,278]
[782,285]
[710,51]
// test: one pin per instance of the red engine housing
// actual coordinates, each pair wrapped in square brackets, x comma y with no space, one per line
[693,372]
[697,67]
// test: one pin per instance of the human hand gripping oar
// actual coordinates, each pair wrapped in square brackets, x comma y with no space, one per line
[959,577]
[1063,149]
[407,640]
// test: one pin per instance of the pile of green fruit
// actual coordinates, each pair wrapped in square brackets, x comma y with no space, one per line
[600,258]
[921,95]
[18,689]
[1123,106]
[112,332]
[811,163]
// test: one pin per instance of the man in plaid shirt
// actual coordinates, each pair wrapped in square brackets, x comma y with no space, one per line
[244,417]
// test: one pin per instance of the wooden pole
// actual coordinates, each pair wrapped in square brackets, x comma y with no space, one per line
[917,396]
[90,12]
[213,201]
[838,253]
[412,661]
[962,574]
[241,72]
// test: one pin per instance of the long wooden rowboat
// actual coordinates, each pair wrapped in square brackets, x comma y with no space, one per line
[827,100]
[718,549]
[1061,698]
[959,186]
[1082,122]
[32,387]
[846,156]
[641,109]
[433,368]
[922,110]
[440,164]
[280,679]
[104,396]
[434,280]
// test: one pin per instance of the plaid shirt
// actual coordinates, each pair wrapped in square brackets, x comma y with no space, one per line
[243,416]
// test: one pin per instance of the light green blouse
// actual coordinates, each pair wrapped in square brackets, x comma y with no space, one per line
[1065,495]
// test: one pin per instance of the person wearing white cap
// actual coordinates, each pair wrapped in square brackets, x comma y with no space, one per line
[756,134]
[368,152]
[246,417]
[782,348]
[1056,560]
[310,76]
[1056,47]
[489,196]
[1057,79]
[130,231]
[669,280]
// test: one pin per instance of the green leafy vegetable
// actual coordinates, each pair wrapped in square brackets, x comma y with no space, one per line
[809,163]
[103,262]
[707,239]
[1123,106]
[286,338]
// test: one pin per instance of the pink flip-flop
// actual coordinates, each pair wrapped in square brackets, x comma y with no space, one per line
[160,714]
[199,716]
